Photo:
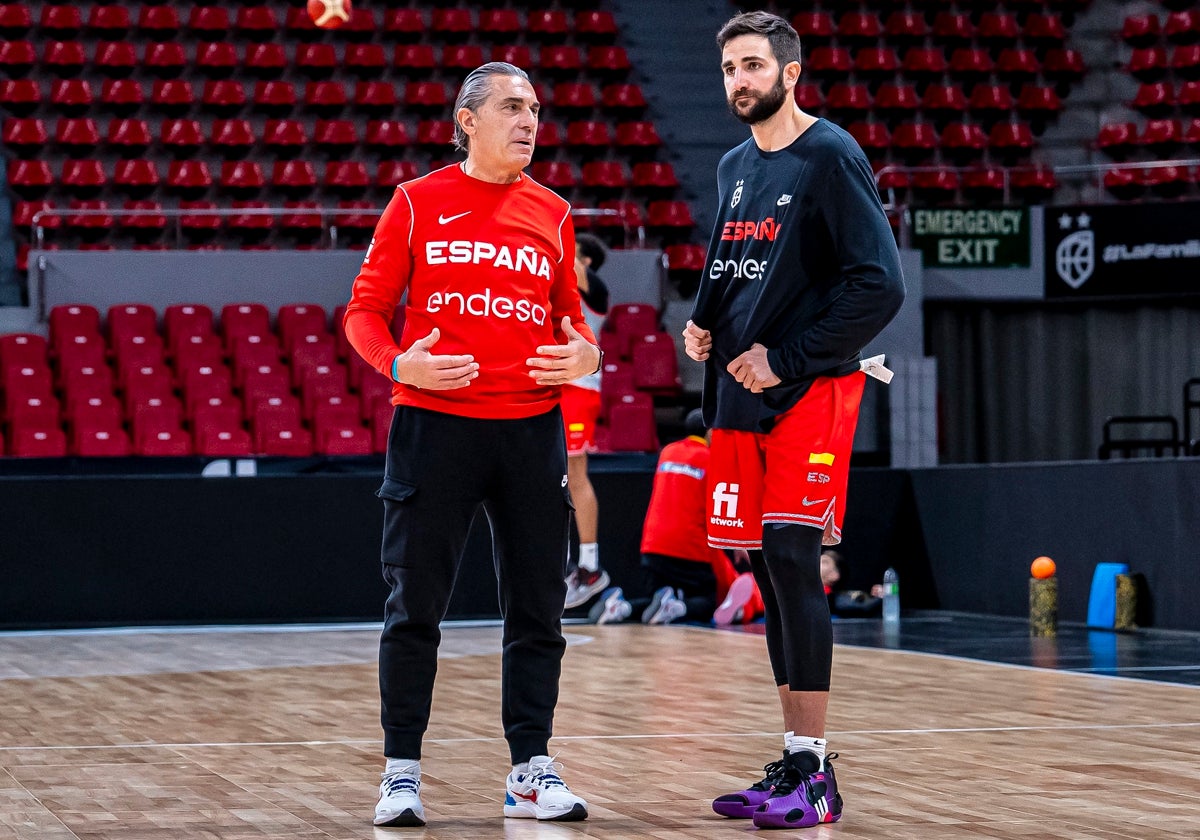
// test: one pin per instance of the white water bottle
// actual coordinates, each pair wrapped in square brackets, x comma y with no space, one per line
[891,598]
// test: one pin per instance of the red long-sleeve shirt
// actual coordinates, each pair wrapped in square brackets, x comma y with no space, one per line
[490,265]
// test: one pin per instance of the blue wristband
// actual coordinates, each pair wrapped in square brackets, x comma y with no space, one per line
[395,374]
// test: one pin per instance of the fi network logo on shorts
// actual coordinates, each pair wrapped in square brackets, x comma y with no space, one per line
[725,502]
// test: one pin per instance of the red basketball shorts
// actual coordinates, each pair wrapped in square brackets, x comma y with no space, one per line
[794,474]
[580,411]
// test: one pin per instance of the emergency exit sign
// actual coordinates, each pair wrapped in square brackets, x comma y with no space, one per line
[960,238]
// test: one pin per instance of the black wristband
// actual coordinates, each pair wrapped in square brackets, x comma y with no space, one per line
[600,364]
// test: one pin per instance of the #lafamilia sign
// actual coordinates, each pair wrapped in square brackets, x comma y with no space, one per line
[964,238]
[1123,249]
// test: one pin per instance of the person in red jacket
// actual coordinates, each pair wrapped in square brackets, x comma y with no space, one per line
[493,329]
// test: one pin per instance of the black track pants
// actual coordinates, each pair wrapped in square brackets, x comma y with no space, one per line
[441,469]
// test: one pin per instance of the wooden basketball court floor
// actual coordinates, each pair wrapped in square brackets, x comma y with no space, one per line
[243,733]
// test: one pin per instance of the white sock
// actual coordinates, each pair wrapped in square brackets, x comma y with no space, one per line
[589,556]
[395,765]
[794,743]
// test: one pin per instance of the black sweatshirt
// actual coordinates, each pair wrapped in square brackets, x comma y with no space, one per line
[802,260]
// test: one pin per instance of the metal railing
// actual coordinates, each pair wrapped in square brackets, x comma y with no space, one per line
[1078,173]
[635,235]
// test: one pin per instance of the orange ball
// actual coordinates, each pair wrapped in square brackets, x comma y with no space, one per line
[1042,568]
[329,14]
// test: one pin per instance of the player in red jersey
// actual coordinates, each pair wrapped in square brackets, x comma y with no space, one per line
[581,410]
[686,576]
[493,330]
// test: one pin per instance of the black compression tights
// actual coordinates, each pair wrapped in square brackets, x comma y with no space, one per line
[799,632]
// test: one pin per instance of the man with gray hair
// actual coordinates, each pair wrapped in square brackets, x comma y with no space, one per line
[493,330]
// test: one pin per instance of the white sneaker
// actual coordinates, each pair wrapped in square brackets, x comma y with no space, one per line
[400,798]
[612,607]
[664,608]
[539,793]
[582,585]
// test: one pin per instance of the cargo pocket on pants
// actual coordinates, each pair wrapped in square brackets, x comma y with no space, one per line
[394,490]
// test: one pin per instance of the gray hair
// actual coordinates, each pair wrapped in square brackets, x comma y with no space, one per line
[474,92]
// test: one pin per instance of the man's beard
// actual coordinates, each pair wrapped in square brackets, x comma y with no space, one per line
[765,105]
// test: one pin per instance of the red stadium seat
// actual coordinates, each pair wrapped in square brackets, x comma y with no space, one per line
[404,24]
[216,60]
[859,27]
[499,24]
[964,142]
[1012,141]
[83,178]
[873,137]
[335,137]
[24,135]
[848,100]
[223,97]
[896,100]
[970,64]
[1148,64]
[1182,27]
[165,60]
[915,141]
[415,60]
[1043,30]
[655,365]
[24,349]
[209,21]
[905,27]
[172,97]
[233,138]
[387,136]
[73,97]
[158,22]
[130,137]
[813,24]
[137,178]
[631,426]
[997,28]
[27,442]
[943,101]
[182,320]
[375,98]
[608,61]
[547,24]
[275,98]
[20,97]
[517,54]
[243,319]
[115,59]
[287,138]
[1017,65]
[181,137]
[990,102]
[265,60]
[654,177]
[325,99]
[317,61]
[242,178]
[17,58]
[15,20]
[830,61]
[557,175]
[64,58]
[258,23]
[365,60]
[1141,30]
[76,135]
[451,24]
[30,178]
[460,59]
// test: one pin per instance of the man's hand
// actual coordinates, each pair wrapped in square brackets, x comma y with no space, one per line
[696,342]
[557,364]
[741,560]
[422,369]
[752,370]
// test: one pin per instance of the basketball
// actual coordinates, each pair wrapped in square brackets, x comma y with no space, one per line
[329,14]
[1042,568]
